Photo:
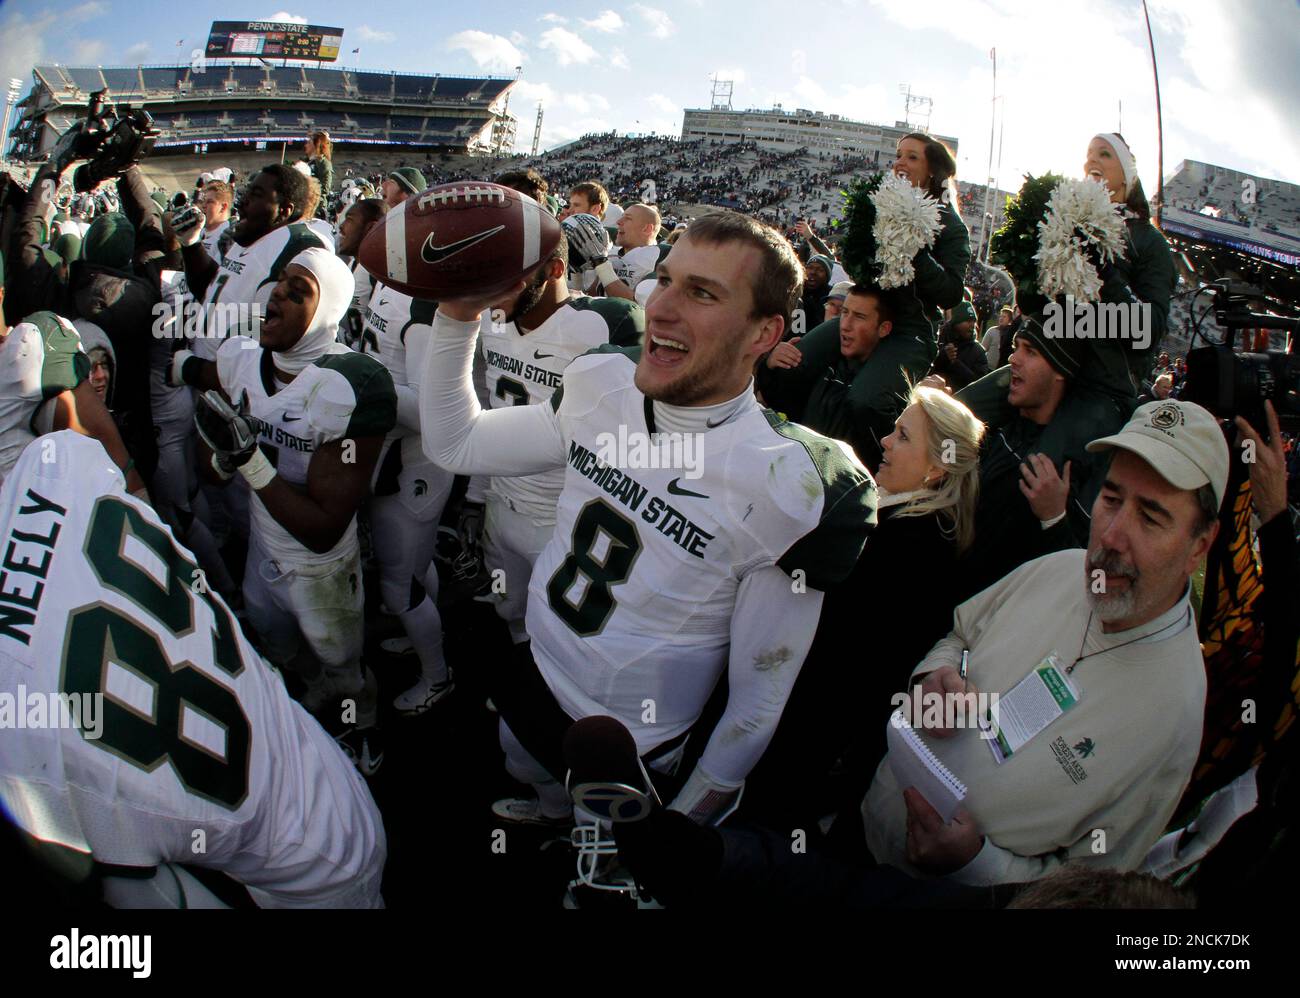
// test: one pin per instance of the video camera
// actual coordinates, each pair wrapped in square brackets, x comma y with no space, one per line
[1231,384]
[113,138]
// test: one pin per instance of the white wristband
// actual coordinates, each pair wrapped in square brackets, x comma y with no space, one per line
[1048,524]
[605,271]
[707,801]
[257,471]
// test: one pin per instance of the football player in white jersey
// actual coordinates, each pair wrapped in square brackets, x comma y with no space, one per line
[527,341]
[664,570]
[45,386]
[638,254]
[305,427]
[356,223]
[166,739]
[409,493]
[214,199]
[235,289]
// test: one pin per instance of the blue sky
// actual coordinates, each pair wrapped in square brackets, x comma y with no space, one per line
[1066,69]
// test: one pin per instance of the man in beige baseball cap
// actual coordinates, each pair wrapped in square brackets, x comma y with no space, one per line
[1098,777]
[1169,475]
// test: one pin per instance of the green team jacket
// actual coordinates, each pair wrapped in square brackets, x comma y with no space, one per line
[847,400]
[1145,273]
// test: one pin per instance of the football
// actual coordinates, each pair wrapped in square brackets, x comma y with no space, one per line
[466,238]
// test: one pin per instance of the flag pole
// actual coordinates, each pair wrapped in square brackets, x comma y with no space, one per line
[1160,127]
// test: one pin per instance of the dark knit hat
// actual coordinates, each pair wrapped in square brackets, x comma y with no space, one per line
[68,246]
[409,179]
[963,311]
[110,241]
[1064,355]
[825,261]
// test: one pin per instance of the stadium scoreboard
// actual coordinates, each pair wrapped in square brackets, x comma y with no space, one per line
[273,40]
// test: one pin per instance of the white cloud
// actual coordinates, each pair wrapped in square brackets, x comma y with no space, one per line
[488,51]
[618,59]
[526,90]
[663,104]
[368,34]
[607,21]
[585,103]
[553,19]
[516,38]
[568,47]
[89,50]
[85,11]
[285,17]
[137,53]
[660,24]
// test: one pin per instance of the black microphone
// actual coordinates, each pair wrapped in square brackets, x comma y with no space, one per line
[605,772]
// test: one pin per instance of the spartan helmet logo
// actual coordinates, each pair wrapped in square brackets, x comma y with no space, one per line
[1166,416]
[421,486]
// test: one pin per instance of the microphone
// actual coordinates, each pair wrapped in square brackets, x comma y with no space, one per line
[605,772]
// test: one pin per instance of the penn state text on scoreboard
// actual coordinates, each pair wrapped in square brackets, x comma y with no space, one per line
[273,40]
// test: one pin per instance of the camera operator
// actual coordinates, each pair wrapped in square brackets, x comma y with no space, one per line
[115,284]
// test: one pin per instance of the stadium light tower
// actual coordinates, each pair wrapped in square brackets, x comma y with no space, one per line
[537,130]
[915,101]
[11,98]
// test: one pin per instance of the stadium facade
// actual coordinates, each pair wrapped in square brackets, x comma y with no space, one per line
[781,130]
[243,105]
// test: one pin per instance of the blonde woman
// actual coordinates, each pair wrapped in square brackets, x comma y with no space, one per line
[880,623]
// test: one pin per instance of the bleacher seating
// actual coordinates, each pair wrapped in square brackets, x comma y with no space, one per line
[287,79]
[373,84]
[412,88]
[162,80]
[325,81]
[87,79]
[454,86]
[123,82]
[249,77]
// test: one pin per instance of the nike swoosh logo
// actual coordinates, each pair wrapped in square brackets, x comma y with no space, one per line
[712,425]
[289,419]
[430,253]
[677,490]
[541,356]
[383,301]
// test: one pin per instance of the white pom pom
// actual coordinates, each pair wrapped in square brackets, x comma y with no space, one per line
[1080,214]
[907,221]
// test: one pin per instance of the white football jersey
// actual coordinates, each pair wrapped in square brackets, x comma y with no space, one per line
[363,287]
[343,394]
[173,407]
[153,731]
[235,300]
[526,368]
[633,598]
[397,332]
[212,238]
[635,265]
[40,359]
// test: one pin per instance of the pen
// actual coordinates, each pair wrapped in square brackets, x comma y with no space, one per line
[965,660]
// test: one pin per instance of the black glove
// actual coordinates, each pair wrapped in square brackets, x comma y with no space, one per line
[229,433]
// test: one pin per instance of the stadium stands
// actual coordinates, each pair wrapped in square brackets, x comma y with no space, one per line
[288,79]
[373,84]
[411,88]
[249,77]
[86,79]
[162,79]
[325,81]
[124,82]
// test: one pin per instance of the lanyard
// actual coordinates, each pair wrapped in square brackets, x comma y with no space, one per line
[1102,651]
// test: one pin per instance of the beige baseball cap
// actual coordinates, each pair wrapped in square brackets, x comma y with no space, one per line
[1180,440]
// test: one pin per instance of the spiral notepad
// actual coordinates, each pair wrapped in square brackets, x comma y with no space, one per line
[914,765]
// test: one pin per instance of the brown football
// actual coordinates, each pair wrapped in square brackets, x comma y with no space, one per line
[455,240]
